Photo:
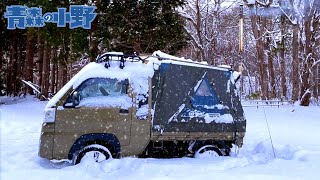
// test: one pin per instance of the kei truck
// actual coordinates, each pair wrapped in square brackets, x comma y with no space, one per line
[160,106]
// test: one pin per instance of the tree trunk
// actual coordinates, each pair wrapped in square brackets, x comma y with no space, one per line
[29,59]
[282,59]
[200,52]
[295,63]
[305,93]
[269,48]
[318,82]
[12,69]
[56,88]
[8,73]
[315,81]
[53,70]
[260,53]
[2,74]
[93,47]
[9,76]
[1,54]
[65,64]
[271,74]
[40,61]
[45,69]
[53,78]
[59,76]
[64,74]
[19,65]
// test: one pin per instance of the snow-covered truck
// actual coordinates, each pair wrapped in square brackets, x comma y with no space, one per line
[159,106]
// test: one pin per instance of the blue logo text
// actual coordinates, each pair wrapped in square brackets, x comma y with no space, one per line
[21,17]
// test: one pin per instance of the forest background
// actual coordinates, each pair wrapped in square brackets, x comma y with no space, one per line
[280,59]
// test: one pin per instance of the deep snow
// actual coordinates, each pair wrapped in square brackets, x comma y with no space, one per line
[294,129]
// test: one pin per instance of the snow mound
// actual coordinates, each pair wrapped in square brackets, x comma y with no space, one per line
[294,135]
[14,100]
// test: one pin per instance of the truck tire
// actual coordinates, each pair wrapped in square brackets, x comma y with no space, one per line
[95,153]
[207,151]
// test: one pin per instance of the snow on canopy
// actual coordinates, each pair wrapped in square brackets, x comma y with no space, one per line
[182,61]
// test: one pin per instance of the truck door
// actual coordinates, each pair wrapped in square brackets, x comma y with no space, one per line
[104,107]
[141,124]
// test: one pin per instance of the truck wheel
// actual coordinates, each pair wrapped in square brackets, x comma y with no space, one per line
[94,153]
[207,151]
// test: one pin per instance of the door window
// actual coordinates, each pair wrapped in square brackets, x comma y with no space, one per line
[102,87]
[102,92]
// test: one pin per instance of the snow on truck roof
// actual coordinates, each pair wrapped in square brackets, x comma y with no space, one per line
[137,73]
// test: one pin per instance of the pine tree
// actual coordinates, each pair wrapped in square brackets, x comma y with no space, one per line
[44,55]
[2,49]
[142,26]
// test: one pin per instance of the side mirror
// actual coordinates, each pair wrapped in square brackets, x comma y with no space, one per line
[75,98]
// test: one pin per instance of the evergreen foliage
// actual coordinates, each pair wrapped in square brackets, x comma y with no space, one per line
[141,26]
[128,26]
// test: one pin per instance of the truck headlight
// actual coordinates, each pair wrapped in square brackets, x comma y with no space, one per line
[49,115]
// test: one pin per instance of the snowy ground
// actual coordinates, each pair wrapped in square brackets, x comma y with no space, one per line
[295,134]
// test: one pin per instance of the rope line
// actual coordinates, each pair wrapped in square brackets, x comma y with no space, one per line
[265,116]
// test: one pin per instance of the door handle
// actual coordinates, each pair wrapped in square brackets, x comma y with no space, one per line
[124,111]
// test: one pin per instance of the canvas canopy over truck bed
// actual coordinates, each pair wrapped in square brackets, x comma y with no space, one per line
[188,98]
